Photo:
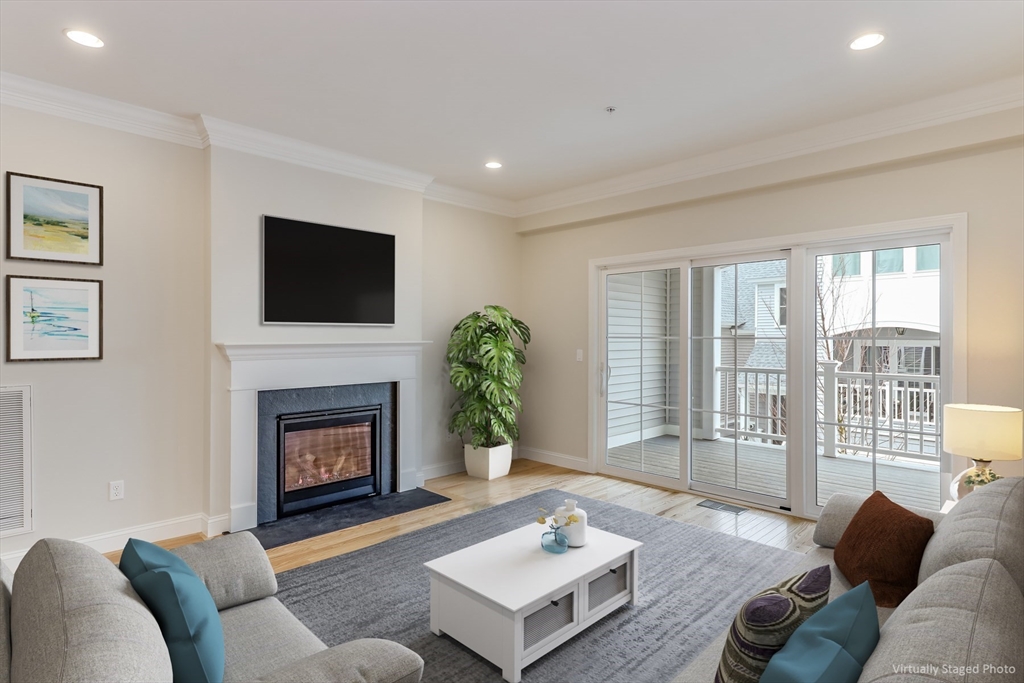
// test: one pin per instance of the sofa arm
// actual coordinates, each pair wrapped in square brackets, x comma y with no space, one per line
[841,508]
[235,568]
[368,660]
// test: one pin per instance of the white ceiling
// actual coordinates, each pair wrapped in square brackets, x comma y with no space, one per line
[442,87]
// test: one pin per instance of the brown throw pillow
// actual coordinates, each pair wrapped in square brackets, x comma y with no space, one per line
[883,545]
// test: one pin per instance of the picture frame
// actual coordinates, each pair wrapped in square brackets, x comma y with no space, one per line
[54,318]
[49,219]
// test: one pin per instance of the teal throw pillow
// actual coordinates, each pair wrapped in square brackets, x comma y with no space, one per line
[139,557]
[832,646]
[183,608]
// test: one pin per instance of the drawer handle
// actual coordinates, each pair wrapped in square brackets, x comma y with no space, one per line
[555,603]
[614,571]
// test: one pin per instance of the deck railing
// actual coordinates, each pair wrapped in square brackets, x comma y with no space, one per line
[757,409]
[894,414]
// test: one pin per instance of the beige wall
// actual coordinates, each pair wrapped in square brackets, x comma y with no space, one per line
[138,414]
[470,259]
[986,182]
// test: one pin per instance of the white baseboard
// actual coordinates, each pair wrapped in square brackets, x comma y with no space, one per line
[443,469]
[552,458]
[216,525]
[115,540]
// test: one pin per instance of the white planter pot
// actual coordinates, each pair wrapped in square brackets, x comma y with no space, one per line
[488,463]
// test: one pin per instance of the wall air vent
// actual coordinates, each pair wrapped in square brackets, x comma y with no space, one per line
[15,460]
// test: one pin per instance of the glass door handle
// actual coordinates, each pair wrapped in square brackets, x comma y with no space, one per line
[603,377]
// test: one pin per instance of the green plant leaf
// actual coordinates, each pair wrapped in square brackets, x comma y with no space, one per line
[484,368]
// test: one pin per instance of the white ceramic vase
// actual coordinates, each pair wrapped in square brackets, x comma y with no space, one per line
[576,533]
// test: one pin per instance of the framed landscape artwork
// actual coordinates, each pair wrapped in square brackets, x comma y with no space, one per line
[54,318]
[54,220]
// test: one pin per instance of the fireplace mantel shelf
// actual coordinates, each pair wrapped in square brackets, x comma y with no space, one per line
[297,350]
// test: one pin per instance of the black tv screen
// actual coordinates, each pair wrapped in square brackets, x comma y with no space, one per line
[320,274]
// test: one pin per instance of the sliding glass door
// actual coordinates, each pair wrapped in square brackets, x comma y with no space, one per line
[738,360]
[779,378]
[640,373]
[878,376]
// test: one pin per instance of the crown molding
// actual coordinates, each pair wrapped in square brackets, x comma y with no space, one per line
[471,200]
[217,133]
[26,93]
[968,103]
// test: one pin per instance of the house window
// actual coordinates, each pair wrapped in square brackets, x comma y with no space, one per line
[928,257]
[770,312]
[846,264]
[889,261]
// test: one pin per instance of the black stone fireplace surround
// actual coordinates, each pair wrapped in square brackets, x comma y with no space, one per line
[287,410]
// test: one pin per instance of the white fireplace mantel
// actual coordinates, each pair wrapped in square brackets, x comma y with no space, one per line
[265,367]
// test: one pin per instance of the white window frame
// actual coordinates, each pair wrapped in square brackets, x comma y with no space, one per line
[953,258]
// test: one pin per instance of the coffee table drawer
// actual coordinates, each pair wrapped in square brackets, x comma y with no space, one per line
[612,584]
[549,619]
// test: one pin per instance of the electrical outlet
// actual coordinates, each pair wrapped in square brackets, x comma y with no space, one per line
[117,490]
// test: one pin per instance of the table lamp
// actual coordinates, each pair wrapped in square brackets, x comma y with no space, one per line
[983,434]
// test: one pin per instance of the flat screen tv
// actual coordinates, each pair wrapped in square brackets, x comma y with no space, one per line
[323,275]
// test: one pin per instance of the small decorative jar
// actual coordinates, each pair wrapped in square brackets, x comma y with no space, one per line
[577,531]
[554,541]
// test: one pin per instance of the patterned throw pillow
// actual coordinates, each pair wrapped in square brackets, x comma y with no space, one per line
[767,620]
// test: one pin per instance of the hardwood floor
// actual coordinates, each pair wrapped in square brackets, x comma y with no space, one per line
[170,544]
[470,495]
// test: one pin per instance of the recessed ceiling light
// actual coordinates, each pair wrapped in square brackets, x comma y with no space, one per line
[492,164]
[868,40]
[83,38]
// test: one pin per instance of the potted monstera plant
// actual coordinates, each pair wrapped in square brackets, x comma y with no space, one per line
[486,371]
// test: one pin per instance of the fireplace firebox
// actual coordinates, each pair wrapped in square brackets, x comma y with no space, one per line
[327,457]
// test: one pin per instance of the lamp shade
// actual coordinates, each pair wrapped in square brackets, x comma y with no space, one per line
[982,432]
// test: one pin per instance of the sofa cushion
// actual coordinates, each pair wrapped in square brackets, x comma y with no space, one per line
[235,568]
[368,660]
[75,617]
[883,545]
[959,625]
[986,523]
[832,646]
[261,637]
[766,621]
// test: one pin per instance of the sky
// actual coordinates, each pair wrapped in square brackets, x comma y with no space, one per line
[61,204]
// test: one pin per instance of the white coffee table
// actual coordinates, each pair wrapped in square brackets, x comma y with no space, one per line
[511,602]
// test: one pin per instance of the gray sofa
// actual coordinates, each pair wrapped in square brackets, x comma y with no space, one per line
[73,616]
[966,616]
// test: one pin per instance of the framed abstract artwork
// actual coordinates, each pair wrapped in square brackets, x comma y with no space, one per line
[54,220]
[54,318]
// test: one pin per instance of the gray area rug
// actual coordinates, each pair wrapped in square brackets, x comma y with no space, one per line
[692,581]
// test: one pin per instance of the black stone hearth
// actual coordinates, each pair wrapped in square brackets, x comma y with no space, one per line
[342,516]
